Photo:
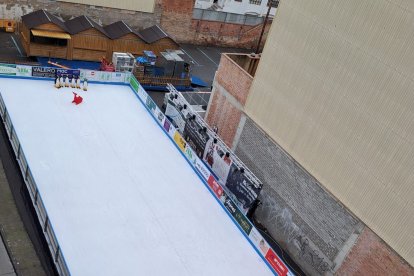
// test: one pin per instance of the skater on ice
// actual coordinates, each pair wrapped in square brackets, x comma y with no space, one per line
[57,82]
[78,83]
[73,82]
[76,98]
[67,81]
[85,84]
[61,81]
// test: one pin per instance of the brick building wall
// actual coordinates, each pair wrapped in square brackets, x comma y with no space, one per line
[230,89]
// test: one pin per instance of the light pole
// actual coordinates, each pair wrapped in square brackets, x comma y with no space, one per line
[269,4]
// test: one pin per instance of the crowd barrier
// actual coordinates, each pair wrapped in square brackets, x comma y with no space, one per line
[246,227]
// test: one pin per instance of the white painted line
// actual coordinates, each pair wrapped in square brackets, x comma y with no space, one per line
[17,46]
[207,56]
[190,57]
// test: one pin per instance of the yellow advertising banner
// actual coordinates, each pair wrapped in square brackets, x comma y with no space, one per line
[180,141]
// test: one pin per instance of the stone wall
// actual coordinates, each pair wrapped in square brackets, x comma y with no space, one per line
[138,20]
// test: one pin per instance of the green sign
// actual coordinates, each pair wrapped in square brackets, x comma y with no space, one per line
[8,69]
[134,83]
[238,216]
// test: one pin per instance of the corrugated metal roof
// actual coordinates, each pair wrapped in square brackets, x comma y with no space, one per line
[83,23]
[40,17]
[118,29]
[152,34]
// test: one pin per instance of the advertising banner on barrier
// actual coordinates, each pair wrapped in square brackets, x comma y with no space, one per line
[179,140]
[176,116]
[43,72]
[142,94]
[159,115]
[196,136]
[117,77]
[95,75]
[218,161]
[24,70]
[70,73]
[259,241]
[134,83]
[199,165]
[215,186]
[190,154]
[276,263]
[8,69]
[150,104]
[241,187]
[237,215]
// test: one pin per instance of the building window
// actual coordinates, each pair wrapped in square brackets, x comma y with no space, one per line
[274,3]
[238,0]
[256,2]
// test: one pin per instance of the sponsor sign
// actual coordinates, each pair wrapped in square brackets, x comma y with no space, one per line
[70,73]
[276,263]
[176,116]
[8,69]
[159,115]
[134,83]
[179,140]
[259,241]
[238,216]
[151,104]
[216,158]
[190,154]
[195,136]
[43,72]
[142,94]
[118,77]
[24,70]
[241,187]
[202,168]
[215,186]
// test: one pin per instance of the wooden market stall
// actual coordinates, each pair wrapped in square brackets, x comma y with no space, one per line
[157,40]
[43,34]
[124,39]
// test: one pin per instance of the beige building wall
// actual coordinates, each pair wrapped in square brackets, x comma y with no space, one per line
[132,5]
[335,88]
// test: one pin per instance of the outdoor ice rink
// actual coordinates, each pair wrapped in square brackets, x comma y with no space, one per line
[121,198]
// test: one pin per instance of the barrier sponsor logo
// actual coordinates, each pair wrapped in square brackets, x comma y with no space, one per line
[68,73]
[8,69]
[180,141]
[142,94]
[118,77]
[151,104]
[217,189]
[238,216]
[276,263]
[134,83]
[24,70]
[43,72]
[259,241]
[189,153]
[202,169]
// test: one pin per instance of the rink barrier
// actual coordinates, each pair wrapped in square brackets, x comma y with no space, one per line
[246,227]
[34,192]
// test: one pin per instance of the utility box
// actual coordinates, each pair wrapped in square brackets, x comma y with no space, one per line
[123,62]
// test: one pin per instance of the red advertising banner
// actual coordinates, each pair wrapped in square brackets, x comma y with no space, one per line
[276,263]
[218,190]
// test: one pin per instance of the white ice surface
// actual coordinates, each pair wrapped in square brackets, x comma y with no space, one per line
[120,197]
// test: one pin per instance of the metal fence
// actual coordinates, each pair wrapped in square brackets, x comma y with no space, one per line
[34,193]
[227,17]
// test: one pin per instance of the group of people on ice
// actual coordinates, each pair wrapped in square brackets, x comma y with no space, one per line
[74,82]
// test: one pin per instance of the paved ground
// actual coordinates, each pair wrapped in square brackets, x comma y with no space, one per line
[19,227]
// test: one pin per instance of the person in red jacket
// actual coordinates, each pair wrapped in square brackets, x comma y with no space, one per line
[76,98]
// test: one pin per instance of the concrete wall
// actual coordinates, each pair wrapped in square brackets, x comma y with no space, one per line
[334,89]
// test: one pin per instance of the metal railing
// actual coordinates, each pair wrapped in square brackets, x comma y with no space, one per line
[227,17]
[34,192]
